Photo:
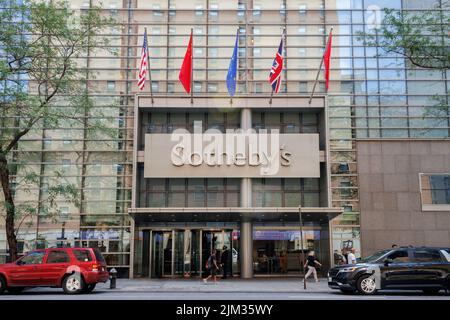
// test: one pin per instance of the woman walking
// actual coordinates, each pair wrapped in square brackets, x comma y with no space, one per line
[211,265]
[311,262]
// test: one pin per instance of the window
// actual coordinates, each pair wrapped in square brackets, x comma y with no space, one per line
[427,256]
[82,255]
[435,191]
[199,10]
[111,86]
[213,10]
[64,213]
[302,9]
[58,257]
[400,256]
[66,164]
[32,258]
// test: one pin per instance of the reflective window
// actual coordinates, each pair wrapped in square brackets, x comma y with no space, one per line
[32,258]
[435,189]
[427,256]
[59,256]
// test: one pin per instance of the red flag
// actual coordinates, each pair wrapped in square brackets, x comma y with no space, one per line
[326,60]
[186,68]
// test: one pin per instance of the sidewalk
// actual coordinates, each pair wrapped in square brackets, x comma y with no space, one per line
[285,285]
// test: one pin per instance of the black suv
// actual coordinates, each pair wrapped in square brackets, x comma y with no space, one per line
[426,269]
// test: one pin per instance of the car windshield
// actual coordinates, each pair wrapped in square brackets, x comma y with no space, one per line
[374,257]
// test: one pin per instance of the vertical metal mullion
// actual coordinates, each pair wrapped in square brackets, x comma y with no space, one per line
[167,45]
[173,254]
[150,256]
[200,257]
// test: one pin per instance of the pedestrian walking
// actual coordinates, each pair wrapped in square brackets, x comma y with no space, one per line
[211,265]
[351,258]
[311,263]
[225,261]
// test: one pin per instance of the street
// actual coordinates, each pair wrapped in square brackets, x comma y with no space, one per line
[233,289]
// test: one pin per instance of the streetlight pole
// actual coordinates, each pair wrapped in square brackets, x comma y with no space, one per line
[301,246]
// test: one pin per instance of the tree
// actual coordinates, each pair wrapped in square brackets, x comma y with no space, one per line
[42,86]
[421,37]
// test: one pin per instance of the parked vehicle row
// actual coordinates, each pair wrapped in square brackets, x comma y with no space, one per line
[419,268]
[75,270]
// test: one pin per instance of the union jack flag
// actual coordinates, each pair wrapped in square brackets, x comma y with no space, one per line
[277,67]
[143,65]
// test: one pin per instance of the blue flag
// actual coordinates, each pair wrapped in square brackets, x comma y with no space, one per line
[231,76]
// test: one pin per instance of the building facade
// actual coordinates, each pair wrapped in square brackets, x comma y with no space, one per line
[383,158]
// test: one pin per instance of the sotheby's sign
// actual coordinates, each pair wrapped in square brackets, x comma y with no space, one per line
[235,154]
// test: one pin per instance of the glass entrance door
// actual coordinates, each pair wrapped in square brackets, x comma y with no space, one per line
[187,253]
[162,254]
[216,240]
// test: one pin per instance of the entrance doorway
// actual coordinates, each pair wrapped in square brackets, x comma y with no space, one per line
[279,252]
[184,252]
[161,258]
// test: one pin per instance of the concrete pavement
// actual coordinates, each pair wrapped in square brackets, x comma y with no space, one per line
[230,289]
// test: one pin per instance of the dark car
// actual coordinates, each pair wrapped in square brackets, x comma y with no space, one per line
[76,270]
[424,268]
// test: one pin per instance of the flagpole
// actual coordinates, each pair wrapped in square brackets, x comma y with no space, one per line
[237,64]
[192,67]
[271,96]
[320,67]
[283,35]
[148,67]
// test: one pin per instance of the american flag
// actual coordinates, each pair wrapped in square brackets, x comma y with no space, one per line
[277,67]
[143,65]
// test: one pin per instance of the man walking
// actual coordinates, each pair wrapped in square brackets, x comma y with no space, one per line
[351,258]
[225,262]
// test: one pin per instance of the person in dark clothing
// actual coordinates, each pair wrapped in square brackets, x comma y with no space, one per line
[225,261]
[212,267]
[311,262]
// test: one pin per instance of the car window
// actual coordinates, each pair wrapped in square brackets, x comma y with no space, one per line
[399,256]
[98,255]
[446,254]
[427,256]
[374,257]
[82,255]
[32,258]
[58,257]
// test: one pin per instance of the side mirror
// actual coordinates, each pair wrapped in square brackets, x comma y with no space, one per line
[388,261]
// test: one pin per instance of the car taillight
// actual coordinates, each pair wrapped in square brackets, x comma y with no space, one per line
[94,267]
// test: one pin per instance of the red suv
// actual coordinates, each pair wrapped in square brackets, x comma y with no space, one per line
[76,270]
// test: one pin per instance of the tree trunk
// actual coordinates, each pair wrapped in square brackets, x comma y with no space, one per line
[9,206]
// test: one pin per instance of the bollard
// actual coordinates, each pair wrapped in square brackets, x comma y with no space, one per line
[112,278]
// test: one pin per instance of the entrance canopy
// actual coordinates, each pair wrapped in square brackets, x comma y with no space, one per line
[259,214]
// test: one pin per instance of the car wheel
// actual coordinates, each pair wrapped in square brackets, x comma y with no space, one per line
[2,285]
[431,291]
[89,288]
[73,284]
[366,284]
[347,290]
[15,290]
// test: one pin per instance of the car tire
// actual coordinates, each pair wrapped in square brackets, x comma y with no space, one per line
[2,285]
[347,290]
[15,290]
[431,291]
[366,284]
[73,284]
[89,288]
